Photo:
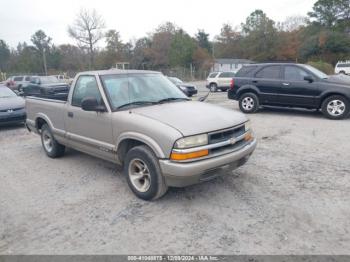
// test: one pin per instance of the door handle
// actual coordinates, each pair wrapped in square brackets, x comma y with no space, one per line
[285,84]
[70,114]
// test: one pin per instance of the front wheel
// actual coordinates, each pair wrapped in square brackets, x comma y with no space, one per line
[248,103]
[143,173]
[51,147]
[335,107]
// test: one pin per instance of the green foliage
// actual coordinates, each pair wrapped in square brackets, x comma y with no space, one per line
[322,66]
[4,55]
[182,48]
[202,39]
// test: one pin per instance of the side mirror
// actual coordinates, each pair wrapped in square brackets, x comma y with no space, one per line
[91,104]
[309,79]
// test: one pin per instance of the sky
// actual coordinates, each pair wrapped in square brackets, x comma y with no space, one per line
[19,19]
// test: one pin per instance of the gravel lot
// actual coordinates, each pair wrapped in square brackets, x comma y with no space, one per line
[292,197]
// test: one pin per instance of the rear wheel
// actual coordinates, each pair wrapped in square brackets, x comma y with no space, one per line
[336,107]
[143,173]
[213,87]
[248,103]
[51,147]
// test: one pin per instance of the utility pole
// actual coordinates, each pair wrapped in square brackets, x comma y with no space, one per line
[44,61]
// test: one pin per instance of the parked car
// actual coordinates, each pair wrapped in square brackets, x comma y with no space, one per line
[64,79]
[137,119]
[187,88]
[17,82]
[290,85]
[12,110]
[47,87]
[342,68]
[219,80]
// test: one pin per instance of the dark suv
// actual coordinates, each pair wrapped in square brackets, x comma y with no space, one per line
[290,85]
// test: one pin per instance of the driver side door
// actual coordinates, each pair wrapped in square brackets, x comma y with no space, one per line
[89,131]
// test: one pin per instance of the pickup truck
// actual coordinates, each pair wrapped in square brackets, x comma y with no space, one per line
[139,119]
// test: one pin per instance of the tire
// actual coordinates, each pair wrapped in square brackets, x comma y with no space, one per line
[51,147]
[248,103]
[213,87]
[335,107]
[143,173]
[342,72]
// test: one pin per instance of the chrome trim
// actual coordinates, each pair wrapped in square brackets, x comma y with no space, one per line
[210,146]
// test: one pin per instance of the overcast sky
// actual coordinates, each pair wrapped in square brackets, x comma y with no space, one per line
[19,19]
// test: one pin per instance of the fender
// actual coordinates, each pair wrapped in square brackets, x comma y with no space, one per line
[246,88]
[327,93]
[55,131]
[144,139]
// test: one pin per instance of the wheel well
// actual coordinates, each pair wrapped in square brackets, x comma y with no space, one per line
[247,91]
[331,94]
[213,83]
[125,146]
[39,123]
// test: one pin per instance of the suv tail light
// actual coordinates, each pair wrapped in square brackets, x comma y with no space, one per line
[232,84]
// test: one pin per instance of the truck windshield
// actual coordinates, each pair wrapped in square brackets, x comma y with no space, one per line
[140,90]
[317,72]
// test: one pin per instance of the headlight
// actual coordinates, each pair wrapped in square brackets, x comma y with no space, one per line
[192,141]
[247,126]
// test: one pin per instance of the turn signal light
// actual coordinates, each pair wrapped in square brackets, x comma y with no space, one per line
[248,136]
[186,156]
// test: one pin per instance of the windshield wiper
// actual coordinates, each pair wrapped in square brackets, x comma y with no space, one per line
[172,99]
[137,103]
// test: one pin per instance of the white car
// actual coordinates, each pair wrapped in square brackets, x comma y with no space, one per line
[342,68]
[219,80]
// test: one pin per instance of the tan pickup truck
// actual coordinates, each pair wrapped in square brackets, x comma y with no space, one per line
[140,120]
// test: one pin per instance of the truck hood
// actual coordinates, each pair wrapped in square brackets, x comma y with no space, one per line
[11,103]
[191,118]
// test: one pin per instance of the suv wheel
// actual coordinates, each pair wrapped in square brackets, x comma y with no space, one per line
[213,87]
[143,173]
[51,147]
[335,107]
[249,103]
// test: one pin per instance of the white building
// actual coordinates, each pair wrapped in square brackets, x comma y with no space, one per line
[229,65]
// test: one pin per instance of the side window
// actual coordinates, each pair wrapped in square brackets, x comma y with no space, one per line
[246,71]
[27,78]
[224,75]
[269,72]
[212,75]
[294,73]
[85,87]
[18,79]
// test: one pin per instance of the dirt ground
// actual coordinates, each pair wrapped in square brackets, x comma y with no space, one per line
[292,197]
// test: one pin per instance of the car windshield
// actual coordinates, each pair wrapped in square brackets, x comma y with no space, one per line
[48,79]
[316,72]
[175,80]
[6,92]
[140,89]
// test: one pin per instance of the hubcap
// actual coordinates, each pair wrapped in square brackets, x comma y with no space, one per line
[336,107]
[47,140]
[248,103]
[213,88]
[139,175]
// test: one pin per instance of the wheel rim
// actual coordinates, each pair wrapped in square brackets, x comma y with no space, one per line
[47,141]
[248,103]
[212,88]
[139,175]
[336,107]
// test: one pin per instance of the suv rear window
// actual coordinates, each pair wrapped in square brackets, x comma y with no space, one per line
[269,72]
[212,75]
[246,71]
[343,65]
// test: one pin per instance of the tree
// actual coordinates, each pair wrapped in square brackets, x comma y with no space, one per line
[4,55]
[229,43]
[293,23]
[330,12]
[182,48]
[260,36]
[113,41]
[203,40]
[42,43]
[87,30]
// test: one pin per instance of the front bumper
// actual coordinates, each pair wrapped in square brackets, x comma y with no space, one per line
[184,174]
[13,117]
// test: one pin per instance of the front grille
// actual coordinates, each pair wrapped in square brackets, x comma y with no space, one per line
[225,135]
[190,88]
